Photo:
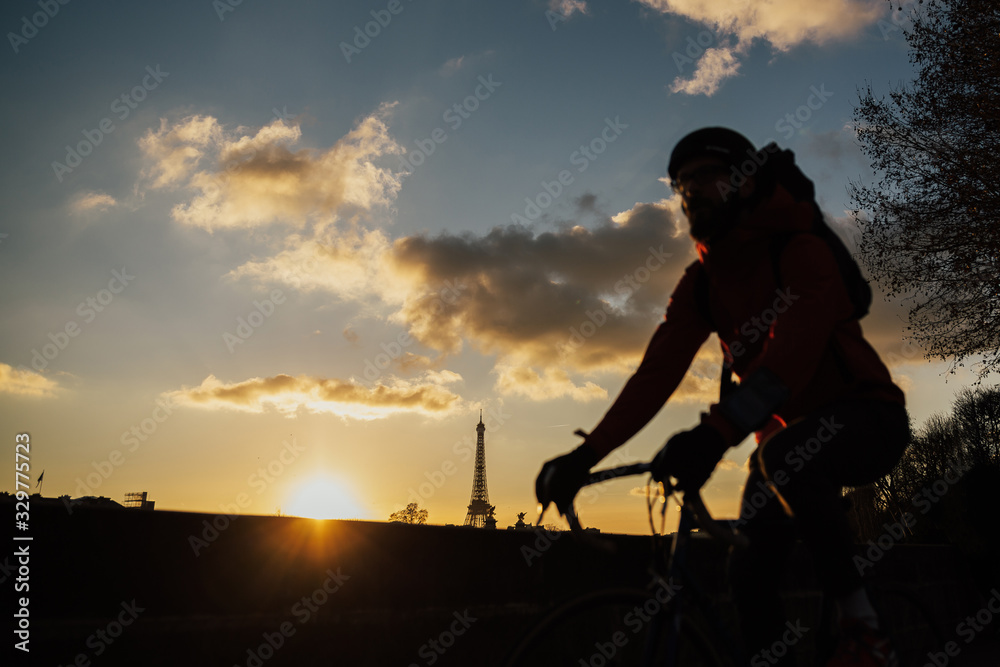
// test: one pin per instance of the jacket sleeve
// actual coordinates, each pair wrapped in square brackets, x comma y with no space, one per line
[667,358]
[810,304]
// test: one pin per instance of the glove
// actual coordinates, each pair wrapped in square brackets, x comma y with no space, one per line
[690,456]
[563,476]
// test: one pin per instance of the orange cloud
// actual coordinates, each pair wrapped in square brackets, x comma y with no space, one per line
[554,307]
[783,24]
[175,150]
[562,310]
[242,179]
[350,265]
[25,383]
[701,384]
[347,398]
[88,201]
[550,383]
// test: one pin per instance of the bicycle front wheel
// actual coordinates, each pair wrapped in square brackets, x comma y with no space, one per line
[616,627]
[909,621]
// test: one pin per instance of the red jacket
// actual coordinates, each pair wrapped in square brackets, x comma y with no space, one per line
[802,331]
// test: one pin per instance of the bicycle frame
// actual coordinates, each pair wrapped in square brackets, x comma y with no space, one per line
[692,514]
[691,593]
[675,618]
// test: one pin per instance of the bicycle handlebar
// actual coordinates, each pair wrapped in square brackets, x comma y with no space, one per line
[693,501]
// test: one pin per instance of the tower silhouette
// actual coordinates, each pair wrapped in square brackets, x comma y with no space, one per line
[480,511]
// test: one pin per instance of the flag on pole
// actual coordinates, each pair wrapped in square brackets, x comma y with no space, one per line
[40,479]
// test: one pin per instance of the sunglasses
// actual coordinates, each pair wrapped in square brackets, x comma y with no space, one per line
[703,175]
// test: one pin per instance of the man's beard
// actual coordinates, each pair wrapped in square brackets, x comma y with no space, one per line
[709,221]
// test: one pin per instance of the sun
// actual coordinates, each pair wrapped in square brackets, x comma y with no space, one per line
[324,497]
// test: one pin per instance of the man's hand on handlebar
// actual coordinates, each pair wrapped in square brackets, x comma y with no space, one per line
[690,457]
[562,477]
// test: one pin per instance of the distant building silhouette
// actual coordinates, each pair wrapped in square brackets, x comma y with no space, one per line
[480,511]
[91,501]
[37,500]
[137,500]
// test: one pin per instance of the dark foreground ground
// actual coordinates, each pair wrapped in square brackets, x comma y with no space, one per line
[126,587]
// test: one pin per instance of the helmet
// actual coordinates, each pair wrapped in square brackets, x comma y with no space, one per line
[728,145]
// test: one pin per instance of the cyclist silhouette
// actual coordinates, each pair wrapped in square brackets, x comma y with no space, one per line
[821,403]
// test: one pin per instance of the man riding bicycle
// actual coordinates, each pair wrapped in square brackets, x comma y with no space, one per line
[821,403]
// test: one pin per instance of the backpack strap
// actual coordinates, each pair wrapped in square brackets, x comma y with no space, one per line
[701,295]
[701,288]
[777,246]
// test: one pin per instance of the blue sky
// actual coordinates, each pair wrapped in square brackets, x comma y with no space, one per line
[328,263]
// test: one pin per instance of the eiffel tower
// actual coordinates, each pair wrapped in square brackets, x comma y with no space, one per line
[480,511]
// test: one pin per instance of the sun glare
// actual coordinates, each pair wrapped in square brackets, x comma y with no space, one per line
[323,497]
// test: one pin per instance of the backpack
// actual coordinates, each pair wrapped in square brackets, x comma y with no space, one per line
[779,166]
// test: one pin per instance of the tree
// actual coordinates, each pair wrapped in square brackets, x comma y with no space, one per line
[929,227]
[412,514]
[976,413]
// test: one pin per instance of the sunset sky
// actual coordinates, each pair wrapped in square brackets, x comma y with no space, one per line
[251,252]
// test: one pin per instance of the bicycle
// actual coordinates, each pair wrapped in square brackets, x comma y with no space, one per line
[665,623]
[659,625]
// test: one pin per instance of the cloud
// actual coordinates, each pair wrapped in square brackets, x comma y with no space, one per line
[464,62]
[701,384]
[87,201]
[241,179]
[904,382]
[350,265]
[550,383]
[556,308]
[563,311]
[175,150]
[838,148]
[409,362]
[552,306]
[713,68]
[566,8]
[577,298]
[783,24]
[885,328]
[25,383]
[347,398]
[453,65]
[729,464]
